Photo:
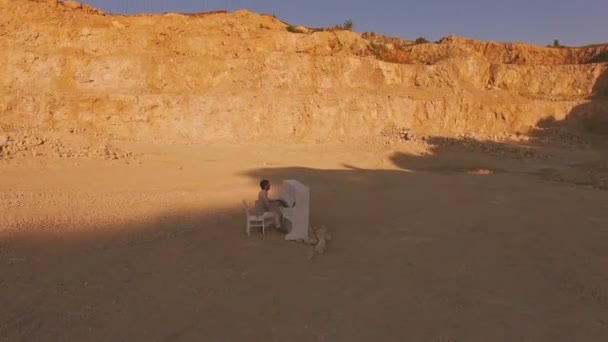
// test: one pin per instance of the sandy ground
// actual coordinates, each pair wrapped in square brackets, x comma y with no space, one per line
[153,248]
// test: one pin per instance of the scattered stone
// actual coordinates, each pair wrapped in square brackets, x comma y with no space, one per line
[393,134]
[503,150]
[311,241]
[481,172]
[321,247]
[318,237]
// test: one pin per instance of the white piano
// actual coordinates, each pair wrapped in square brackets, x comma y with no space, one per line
[297,197]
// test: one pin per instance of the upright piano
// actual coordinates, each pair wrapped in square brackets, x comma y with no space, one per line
[296,196]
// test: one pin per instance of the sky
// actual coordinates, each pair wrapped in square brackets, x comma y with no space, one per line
[572,22]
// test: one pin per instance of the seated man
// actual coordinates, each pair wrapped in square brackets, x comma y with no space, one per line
[266,205]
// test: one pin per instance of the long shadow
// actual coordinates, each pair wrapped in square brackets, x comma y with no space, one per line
[464,256]
[415,255]
[591,116]
[185,275]
[586,125]
[573,150]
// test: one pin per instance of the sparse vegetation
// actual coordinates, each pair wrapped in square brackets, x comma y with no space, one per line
[347,26]
[556,44]
[602,57]
[421,40]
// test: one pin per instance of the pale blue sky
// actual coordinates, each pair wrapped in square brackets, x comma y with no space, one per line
[533,21]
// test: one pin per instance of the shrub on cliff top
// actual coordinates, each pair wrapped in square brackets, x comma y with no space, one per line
[421,40]
[347,26]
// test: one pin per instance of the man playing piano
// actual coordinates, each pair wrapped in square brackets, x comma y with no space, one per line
[266,205]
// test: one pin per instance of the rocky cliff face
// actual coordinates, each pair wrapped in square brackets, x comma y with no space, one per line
[243,77]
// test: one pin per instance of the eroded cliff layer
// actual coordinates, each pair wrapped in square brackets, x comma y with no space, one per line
[244,77]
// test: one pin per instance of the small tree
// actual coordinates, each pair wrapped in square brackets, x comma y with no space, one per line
[556,43]
[348,25]
[421,40]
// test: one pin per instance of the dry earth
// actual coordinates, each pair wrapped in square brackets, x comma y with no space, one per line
[425,247]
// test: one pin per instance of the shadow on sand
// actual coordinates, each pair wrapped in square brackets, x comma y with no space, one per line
[426,256]
[573,150]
